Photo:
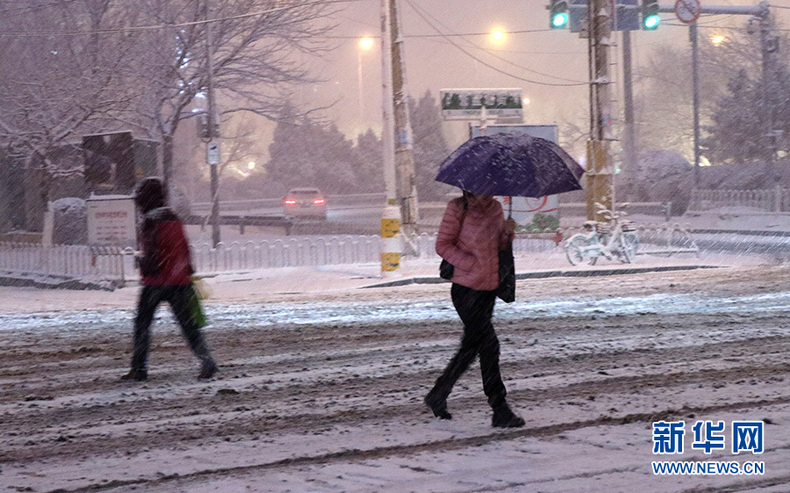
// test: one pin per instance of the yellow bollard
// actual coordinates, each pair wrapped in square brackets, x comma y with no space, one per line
[391,247]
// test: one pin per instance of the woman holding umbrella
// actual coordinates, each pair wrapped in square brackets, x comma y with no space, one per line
[472,232]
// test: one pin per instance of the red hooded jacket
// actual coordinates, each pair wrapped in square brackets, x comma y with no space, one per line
[166,259]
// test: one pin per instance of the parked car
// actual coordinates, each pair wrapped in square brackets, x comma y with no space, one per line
[305,202]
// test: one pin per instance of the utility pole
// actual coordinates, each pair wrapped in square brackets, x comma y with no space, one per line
[391,238]
[695,82]
[768,44]
[212,146]
[630,149]
[600,189]
[404,152]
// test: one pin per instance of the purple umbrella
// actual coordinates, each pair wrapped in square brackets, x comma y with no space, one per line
[512,165]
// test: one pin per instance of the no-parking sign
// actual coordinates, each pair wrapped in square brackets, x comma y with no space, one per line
[688,11]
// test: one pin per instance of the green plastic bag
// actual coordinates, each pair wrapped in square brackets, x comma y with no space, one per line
[196,308]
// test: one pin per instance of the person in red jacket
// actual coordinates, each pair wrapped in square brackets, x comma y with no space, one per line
[166,270]
[471,234]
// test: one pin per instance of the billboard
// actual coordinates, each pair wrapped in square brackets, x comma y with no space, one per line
[532,215]
[467,104]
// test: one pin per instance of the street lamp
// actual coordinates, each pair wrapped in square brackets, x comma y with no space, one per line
[365,44]
[497,36]
[717,39]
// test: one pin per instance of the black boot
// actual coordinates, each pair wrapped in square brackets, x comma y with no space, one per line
[136,374]
[438,405]
[208,370]
[505,418]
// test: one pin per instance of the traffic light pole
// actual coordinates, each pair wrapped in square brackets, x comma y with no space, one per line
[600,187]
[760,13]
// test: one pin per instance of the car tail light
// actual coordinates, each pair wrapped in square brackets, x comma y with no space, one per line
[290,202]
[319,201]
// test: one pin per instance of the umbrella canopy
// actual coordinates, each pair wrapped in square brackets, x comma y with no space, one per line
[515,165]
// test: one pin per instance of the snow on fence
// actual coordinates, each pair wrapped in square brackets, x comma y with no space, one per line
[772,200]
[71,261]
[116,264]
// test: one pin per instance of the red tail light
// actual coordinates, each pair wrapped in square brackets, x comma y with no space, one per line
[319,201]
[290,202]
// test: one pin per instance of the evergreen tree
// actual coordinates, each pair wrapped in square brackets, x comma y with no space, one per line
[370,173]
[430,147]
[731,88]
[304,153]
[736,129]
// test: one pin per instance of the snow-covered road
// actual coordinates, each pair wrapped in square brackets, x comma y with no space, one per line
[324,392]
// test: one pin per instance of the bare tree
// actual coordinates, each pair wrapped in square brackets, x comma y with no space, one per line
[73,67]
[258,51]
[55,85]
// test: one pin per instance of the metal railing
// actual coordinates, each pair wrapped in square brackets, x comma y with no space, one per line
[117,264]
[771,200]
[67,261]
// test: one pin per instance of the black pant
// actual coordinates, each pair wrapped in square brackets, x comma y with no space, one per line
[178,298]
[475,309]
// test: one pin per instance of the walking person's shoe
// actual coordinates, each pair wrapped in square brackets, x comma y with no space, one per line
[504,417]
[437,405]
[136,374]
[208,370]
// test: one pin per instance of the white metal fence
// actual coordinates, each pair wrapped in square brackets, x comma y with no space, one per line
[772,200]
[116,264]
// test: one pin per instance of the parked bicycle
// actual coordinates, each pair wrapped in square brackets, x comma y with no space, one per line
[614,238]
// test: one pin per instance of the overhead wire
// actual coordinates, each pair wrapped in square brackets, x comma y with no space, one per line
[154,27]
[430,21]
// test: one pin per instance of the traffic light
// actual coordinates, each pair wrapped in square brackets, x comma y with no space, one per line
[558,14]
[650,17]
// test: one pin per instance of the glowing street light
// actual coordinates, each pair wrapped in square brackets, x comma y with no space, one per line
[498,36]
[717,39]
[366,43]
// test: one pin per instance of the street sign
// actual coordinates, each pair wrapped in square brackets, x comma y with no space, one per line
[688,11]
[467,104]
[212,153]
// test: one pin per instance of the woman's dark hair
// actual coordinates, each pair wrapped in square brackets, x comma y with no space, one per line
[150,194]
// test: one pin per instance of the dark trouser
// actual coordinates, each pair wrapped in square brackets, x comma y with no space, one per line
[475,309]
[178,298]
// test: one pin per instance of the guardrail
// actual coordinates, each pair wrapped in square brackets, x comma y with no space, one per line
[68,261]
[336,202]
[116,265]
[242,220]
[775,200]
[647,208]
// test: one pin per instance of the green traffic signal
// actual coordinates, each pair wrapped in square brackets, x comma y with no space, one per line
[652,22]
[559,20]
[650,17]
[558,16]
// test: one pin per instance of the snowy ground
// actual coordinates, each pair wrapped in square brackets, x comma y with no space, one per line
[321,383]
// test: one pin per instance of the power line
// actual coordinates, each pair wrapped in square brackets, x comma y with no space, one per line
[424,17]
[155,27]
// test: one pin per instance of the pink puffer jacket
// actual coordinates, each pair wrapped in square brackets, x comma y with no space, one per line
[474,247]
